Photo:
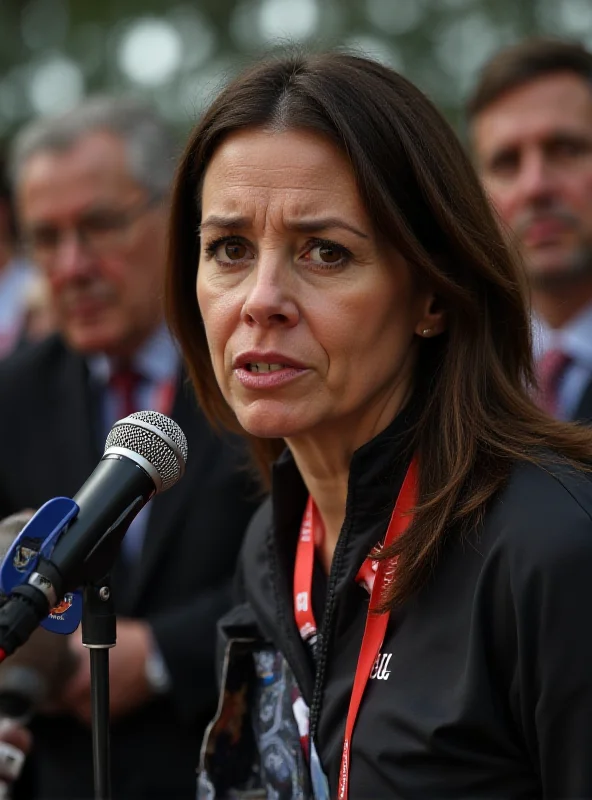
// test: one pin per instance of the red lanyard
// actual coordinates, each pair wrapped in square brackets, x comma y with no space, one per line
[376,575]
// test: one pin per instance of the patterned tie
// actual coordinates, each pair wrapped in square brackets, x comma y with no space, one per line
[124,383]
[550,370]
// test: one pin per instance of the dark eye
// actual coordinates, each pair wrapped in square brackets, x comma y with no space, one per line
[229,251]
[234,250]
[43,237]
[103,224]
[328,253]
[569,148]
[504,164]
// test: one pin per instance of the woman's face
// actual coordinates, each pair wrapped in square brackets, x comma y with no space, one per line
[311,318]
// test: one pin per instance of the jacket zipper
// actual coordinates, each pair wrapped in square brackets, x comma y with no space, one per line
[326,626]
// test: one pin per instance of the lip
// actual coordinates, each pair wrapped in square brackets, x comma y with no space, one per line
[267,357]
[545,229]
[86,308]
[259,381]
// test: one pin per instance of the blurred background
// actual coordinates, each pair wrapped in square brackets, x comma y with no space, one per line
[177,54]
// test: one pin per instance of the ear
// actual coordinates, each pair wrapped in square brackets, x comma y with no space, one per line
[434,318]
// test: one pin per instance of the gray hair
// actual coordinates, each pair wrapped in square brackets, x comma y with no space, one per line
[151,146]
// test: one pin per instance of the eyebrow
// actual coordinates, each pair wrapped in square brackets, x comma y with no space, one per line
[302,225]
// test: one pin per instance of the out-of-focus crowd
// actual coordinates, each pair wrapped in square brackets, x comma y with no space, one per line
[25,306]
[83,228]
[83,281]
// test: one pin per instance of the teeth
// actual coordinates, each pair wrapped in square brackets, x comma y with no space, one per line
[260,367]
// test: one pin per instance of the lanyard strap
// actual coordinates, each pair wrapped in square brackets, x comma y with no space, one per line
[377,576]
[311,527]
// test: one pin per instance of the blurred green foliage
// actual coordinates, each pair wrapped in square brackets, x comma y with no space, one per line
[52,52]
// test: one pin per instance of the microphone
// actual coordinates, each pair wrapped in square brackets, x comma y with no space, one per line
[145,453]
[35,673]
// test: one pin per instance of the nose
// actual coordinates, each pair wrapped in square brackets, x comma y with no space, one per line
[271,298]
[536,182]
[71,258]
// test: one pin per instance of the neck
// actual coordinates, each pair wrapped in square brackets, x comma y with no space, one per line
[324,458]
[326,479]
[561,304]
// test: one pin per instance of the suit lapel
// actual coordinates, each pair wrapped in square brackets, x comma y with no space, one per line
[168,507]
[74,415]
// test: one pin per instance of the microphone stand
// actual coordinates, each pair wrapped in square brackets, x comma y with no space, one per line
[99,635]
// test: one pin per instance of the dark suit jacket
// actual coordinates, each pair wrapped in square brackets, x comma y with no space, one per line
[584,409]
[50,445]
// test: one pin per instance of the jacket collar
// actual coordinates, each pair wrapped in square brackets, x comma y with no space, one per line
[376,474]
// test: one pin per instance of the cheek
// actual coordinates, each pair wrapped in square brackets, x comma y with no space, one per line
[205,301]
[581,194]
[126,286]
[363,333]
[218,316]
[502,199]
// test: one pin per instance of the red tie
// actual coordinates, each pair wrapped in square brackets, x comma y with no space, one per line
[124,383]
[550,370]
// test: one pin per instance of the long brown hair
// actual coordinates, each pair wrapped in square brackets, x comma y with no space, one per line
[423,195]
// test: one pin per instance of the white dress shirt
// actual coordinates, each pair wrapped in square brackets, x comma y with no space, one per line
[575,340]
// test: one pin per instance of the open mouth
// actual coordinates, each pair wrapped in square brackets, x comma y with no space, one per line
[262,367]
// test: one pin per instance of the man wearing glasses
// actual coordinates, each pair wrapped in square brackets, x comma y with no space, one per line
[92,195]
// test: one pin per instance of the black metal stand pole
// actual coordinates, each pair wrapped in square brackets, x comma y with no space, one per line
[99,635]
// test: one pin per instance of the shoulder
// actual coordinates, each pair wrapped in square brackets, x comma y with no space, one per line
[39,378]
[33,362]
[542,519]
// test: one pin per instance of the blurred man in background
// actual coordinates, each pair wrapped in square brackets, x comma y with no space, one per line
[92,194]
[531,131]
[16,275]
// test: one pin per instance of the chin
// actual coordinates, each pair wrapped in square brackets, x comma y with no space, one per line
[550,275]
[558,261]
[270,423]
[91,340]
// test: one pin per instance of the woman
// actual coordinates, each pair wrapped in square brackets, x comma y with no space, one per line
[417,589]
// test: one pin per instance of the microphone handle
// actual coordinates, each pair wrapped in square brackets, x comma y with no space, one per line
[20,616]
[109,500]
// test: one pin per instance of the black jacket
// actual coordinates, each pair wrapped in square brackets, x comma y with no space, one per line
[50,445]
[487,692]
[583,412]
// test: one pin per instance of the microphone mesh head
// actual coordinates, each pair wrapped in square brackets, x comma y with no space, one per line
[157,439]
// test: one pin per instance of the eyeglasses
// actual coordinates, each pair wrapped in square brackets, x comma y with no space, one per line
[99,231]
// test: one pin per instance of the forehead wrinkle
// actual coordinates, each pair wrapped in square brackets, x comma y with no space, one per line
[296,202]
[300,175]
[231,187]
[247,169]
[299,217]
